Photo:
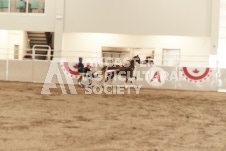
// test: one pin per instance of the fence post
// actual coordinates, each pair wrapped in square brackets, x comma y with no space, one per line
[33,54]
[218,73]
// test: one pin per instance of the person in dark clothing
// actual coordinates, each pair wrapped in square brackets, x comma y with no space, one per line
[28,56]
[149,60]
[83,70]
[80,65]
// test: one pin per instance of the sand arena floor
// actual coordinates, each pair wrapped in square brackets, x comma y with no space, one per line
[154,120]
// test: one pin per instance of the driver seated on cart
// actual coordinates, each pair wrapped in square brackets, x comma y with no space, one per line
[82,70]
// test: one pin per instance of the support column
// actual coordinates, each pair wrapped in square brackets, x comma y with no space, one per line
[215,19]
[59,28]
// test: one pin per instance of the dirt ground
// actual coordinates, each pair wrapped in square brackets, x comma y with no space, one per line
[154,120]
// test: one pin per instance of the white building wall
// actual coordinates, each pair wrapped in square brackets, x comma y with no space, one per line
[10,38]
[30,22]
[3,38]
[25,44]
[194,50]
[150,17]
[222,35]
[131,18]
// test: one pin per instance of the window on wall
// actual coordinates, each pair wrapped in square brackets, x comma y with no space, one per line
[112,54]
[171,57]
[22,6]
[4,5]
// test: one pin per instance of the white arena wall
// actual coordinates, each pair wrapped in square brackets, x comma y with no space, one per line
[194,51]
[24,70]
[3,70]
[36,71]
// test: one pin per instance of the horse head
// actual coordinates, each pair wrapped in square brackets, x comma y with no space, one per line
[136,58]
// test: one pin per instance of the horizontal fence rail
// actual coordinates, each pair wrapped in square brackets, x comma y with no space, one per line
[43,54]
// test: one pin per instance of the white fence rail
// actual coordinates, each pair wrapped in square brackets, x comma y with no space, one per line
[97,56]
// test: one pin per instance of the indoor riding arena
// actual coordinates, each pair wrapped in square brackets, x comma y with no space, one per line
[80,75]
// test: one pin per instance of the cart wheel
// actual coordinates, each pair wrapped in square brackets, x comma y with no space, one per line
[85,82]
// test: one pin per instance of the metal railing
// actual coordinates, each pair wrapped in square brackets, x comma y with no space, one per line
[94,56]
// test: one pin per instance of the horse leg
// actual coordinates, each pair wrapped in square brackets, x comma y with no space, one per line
[106,79]
[131,76]
[134,74]
[109,75]
[79,80]
[112,77]
[126,82]
[126,79]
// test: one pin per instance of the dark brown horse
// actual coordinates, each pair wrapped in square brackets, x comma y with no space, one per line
[123,70]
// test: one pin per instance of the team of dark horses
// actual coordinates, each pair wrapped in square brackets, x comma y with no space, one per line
[110,71]
[126,70]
